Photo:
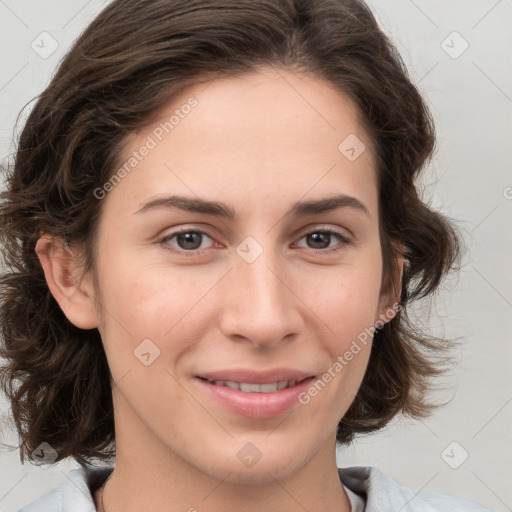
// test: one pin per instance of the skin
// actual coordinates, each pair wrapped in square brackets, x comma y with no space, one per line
[259,143]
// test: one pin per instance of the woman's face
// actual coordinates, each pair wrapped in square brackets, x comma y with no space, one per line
[263,295]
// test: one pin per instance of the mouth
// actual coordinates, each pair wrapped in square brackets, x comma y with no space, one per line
[251,387]
[254,400]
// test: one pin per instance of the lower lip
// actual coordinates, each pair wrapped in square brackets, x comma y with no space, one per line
[256,405]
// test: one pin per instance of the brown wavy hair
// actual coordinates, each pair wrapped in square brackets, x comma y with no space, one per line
[127,63]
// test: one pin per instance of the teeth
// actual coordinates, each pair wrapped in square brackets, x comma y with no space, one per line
[250,388]
[256,388]
[268,388]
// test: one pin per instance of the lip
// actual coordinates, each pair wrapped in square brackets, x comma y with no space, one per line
[255,405]
[257,377]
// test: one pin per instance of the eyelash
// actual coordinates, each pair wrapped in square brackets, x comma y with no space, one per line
[344,241]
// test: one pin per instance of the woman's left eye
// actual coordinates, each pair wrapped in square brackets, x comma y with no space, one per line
[191,240]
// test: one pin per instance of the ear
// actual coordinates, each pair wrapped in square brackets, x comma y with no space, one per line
[389,303]
[61,270]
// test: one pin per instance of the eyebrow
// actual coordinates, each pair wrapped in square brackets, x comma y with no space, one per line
[219,209]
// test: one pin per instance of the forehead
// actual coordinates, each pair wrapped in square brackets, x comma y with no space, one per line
[264,136]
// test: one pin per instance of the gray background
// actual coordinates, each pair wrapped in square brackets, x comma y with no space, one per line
[469,179]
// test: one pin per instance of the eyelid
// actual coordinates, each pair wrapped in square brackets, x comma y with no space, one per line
[312,228]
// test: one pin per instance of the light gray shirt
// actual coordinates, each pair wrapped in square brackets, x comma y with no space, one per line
[368,489]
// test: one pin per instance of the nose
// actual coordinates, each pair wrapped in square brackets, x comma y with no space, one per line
[260,304]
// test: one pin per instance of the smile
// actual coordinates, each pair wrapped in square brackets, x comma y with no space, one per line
[254,400]
[248,387]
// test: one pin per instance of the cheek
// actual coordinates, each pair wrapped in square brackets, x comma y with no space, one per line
[346,298]
[345,305]
[348,309]
[149,302]
[139,291]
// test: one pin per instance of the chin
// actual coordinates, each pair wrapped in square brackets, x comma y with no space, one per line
[249,465]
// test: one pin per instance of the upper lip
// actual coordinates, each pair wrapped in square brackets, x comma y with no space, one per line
[257,377]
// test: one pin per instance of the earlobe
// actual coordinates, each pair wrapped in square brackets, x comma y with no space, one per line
[61,270]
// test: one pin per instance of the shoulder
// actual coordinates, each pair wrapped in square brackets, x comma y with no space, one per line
[383,494]
[74,494]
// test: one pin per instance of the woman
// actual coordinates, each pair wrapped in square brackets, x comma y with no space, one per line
[212,233]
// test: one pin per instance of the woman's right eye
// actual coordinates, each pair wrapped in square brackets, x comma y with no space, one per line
[186,240]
